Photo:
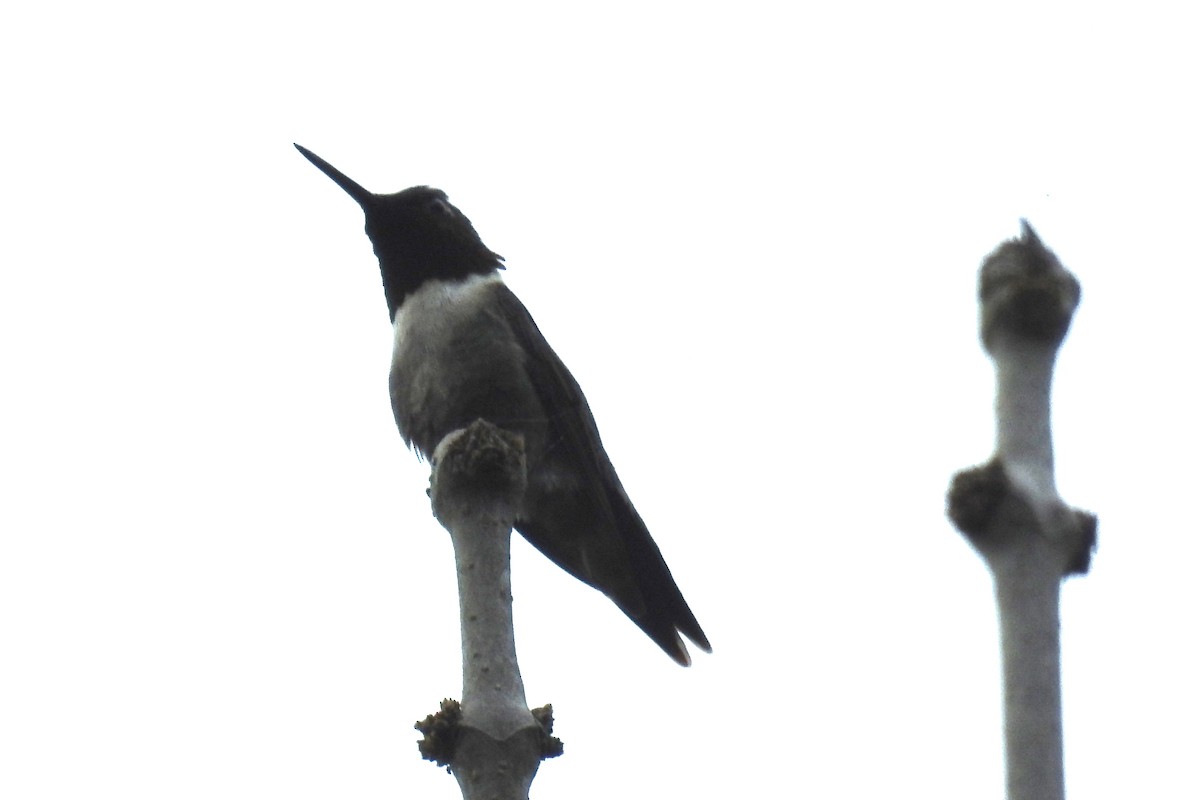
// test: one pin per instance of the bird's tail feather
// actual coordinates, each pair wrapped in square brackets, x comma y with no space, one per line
[664,613]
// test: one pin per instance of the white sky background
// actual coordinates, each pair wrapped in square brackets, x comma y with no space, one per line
[753,236]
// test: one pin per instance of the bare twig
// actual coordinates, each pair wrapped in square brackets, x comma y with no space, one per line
[492,742]
[1009,508]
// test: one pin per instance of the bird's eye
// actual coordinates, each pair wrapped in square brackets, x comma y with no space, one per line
[441,207]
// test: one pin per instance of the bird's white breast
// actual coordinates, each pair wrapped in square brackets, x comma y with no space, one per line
[441,348]
[428,317]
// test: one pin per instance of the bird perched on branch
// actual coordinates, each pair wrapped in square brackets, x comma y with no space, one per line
[465,348]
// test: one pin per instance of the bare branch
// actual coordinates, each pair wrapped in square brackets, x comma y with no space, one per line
[492,742]
[1010,511]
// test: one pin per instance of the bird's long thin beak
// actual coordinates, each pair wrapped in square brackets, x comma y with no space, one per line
[353,189]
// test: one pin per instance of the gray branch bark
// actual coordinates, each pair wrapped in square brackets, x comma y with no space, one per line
[492,742]
[1010,511]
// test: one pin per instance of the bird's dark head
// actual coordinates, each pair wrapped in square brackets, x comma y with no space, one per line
[417,235]
[418,230]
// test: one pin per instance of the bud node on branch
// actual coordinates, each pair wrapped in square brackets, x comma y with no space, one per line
[991,512]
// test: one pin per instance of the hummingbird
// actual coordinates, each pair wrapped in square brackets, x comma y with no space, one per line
[464,348]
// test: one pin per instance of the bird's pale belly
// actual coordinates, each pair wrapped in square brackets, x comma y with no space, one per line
[453,363]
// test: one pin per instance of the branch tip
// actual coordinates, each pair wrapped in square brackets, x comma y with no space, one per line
[1025,292]
[485,461]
